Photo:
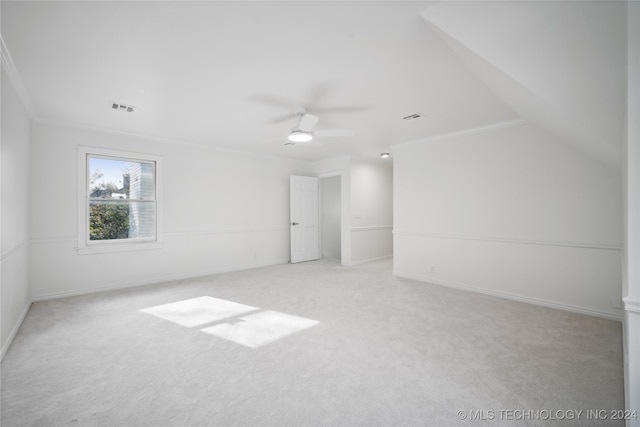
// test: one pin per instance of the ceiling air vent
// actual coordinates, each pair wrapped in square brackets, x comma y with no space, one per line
[413,116]
[123,107]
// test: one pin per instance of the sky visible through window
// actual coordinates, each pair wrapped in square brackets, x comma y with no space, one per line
[111,169]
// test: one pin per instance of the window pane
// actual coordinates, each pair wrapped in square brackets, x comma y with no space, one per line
[121,179]
[121,219]
[121,199]
[142,224]
[108,220]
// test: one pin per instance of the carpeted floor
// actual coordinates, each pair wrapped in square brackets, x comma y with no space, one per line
[312,344]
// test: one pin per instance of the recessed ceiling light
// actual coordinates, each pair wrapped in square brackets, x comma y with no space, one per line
[385,155]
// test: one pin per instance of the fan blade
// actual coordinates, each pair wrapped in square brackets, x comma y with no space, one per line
[313,144]
[318,93]
[352,109]
[273,101]
[334,132]
[284,139]
[282,118]
[307,122]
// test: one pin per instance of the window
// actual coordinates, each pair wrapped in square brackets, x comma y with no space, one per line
[118,201]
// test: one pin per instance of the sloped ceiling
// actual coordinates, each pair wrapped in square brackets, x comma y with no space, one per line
[560,65]
[230,74]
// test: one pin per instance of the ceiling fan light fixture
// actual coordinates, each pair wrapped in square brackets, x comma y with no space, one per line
[300,136]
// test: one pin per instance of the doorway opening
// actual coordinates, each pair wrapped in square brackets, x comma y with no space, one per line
[331,217]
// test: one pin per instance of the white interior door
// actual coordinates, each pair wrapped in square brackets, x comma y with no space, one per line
[304,218]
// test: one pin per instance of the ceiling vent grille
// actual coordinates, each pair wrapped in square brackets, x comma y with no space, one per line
[123,107]
[413,116]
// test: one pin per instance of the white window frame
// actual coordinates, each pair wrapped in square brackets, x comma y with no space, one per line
[85,246]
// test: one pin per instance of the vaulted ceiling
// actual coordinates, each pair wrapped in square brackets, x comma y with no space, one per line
[558,64]
[232,74]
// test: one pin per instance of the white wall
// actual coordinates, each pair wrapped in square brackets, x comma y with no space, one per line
[15,289]
[512,211]
[222,211]
[631,288]
[330,216]
[371,210]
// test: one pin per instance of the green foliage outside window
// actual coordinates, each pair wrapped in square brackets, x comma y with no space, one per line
[108,221]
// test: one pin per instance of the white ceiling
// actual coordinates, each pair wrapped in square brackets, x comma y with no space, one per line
[562,66]
[231,74]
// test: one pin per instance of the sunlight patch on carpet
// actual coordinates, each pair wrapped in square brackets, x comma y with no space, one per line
[198,311]
[249,330]
[261,328]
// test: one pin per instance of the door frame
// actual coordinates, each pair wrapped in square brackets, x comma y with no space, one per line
[345,231]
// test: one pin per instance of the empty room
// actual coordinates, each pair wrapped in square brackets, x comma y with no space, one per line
[320,213]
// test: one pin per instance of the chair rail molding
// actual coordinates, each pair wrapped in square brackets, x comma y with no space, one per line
[518,240]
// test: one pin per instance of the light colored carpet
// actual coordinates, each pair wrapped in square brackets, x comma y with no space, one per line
[307,345]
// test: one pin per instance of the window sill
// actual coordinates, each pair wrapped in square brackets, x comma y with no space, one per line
[118,247]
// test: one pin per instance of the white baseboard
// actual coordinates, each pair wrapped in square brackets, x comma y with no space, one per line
[14,331]
[160,279]
[365,261]
[509,296]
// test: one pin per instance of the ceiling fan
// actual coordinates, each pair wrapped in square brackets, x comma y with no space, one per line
[305,131]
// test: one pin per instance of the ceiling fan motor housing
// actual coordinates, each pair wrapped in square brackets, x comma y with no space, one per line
[298,135]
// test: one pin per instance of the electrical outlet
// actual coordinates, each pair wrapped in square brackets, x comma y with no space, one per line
[433,269]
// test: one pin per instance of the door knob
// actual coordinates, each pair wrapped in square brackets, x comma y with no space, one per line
[295,223]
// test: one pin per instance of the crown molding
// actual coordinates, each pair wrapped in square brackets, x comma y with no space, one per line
[14,77]
[112,131]
[469,131]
